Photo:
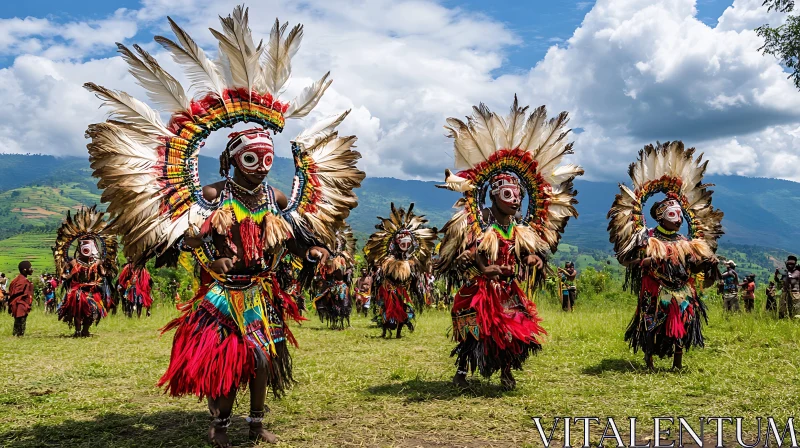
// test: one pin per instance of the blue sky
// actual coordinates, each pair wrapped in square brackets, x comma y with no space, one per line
[629,72]
[539,23]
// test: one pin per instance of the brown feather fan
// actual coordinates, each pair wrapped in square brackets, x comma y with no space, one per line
[85,223]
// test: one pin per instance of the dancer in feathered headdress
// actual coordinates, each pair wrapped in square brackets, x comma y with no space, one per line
[491,248]
[661,263]
[88,271]
[136,289]
[399,252]
[332,299]
[234,332]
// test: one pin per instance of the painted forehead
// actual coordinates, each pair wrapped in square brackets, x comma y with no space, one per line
[256,138]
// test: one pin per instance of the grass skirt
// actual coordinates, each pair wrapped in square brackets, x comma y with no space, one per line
[495,325]
[225,334]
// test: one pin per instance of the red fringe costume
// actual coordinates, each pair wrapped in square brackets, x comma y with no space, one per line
[236,322]
[137,286]
[84,296]
[225,332]
[396,307]
[494,322]
[514,162]
[669,312]
[398,252]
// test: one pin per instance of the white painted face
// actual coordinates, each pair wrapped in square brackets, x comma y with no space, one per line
[88,249]
[672,212]
[253,151]
[404,242]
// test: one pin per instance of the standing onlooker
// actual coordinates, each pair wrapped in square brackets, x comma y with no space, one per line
[789,280]
[569,290]
[749,292]
[3,294]
[772,304]
[20,297]
[730,286]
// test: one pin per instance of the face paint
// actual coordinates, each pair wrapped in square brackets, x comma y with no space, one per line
[88,249]
[672,212]
[508,195]
[403,242]
[252,151]
[505,189]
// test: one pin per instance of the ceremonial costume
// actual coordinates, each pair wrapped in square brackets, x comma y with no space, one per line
[399,251]
[137,289]
[661,262]
[333,301]
[234,332]
[89,272]
[492,249]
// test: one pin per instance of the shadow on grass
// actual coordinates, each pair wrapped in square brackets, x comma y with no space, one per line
[612,365]
[167,428]
[420,390]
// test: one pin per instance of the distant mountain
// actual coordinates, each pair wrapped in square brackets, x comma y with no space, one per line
[758,212]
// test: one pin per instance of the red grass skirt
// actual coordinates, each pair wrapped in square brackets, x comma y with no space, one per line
[210,356]
[495,325]
[79,303]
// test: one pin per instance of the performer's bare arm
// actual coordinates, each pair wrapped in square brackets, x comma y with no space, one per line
[489,270]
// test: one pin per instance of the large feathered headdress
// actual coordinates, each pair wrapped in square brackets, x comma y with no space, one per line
[671,169]
[528,147]
[86,223]
[148,168]
[381,249]
[344,251]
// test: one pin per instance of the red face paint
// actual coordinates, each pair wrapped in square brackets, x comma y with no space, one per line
[403,242]
[509,195]
[252,150]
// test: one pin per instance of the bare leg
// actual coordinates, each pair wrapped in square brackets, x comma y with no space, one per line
[399,330]
[76,322]
[677,361]
[258,396]
[507,381]
[87,323]
[220,409]
[648,359]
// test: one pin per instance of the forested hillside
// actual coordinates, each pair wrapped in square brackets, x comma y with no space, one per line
[35,192]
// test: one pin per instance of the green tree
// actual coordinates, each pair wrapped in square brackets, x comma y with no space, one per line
[783,41]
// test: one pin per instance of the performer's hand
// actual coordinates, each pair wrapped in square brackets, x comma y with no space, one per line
[506,270]
[192,241]
[465,258]
[318,253]
[534,260]
[222,265]
[492,271]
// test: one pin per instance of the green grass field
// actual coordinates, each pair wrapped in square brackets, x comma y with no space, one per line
[355,389]
[34,247]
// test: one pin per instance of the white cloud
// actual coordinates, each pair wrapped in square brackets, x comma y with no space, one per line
[638,71]
[634,72]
